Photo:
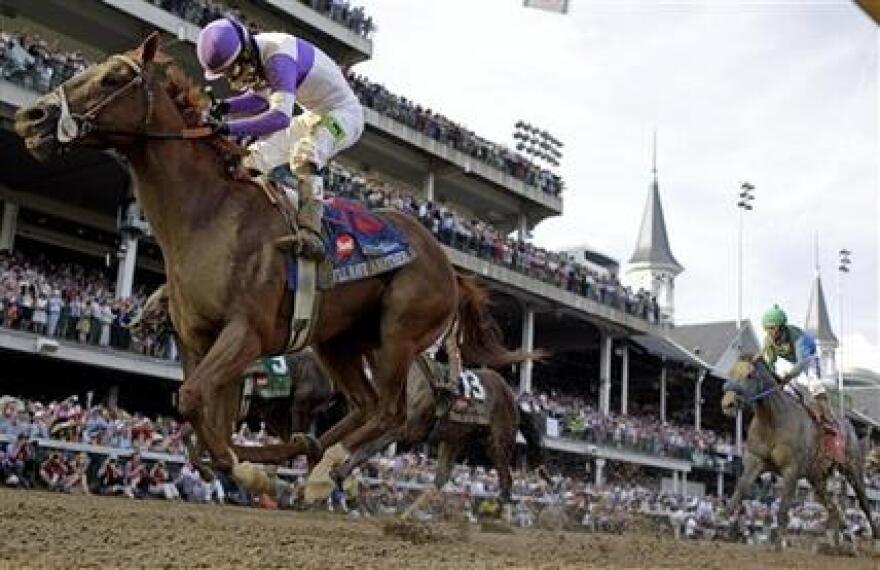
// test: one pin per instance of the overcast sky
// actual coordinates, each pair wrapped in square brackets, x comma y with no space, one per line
[781,94]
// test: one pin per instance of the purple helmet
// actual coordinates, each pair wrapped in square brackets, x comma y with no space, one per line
[219,44]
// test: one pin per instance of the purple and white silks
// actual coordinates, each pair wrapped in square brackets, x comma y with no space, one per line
[283,74]
[247,103]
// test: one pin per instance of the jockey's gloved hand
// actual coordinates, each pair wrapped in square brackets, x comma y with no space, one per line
[218,127]
[219,110]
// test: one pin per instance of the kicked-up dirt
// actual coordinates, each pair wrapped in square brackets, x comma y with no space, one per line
[59,531]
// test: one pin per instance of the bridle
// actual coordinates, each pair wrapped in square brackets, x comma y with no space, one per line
[73,126]
[762,393]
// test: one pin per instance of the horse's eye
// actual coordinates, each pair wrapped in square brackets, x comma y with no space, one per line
[112,80]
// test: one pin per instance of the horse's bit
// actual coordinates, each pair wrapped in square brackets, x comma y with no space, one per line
[72,126]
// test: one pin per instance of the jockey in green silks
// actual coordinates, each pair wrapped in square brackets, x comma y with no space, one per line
[791,354]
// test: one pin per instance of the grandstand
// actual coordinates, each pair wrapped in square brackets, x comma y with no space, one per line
[614,350]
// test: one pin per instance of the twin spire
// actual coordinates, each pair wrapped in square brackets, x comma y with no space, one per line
[817,322]
[652,245]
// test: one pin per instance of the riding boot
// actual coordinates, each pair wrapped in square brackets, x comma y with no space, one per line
[309,218]
[307,242]
[447,392]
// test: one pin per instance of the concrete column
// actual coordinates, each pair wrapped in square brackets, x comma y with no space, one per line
[9,226]
[428,186]
[599,478]
[528,344]
[663,393]
[684,483]
[605,352]
[624,380]
[523,228]
[698,400]
[720,483]
[739,432]
[125,273]
[675,488]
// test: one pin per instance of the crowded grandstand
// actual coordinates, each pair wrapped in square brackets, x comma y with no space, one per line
[627,401]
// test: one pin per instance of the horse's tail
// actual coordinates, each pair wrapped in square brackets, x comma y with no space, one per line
[534,448]
[480,336]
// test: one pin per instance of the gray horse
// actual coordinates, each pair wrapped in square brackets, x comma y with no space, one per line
[784,439]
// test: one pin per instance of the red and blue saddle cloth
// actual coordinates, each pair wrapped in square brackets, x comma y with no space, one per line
[359,243]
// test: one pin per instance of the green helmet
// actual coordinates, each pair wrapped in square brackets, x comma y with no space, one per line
[774,317]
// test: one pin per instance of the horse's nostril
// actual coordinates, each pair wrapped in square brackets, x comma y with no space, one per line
[36,114]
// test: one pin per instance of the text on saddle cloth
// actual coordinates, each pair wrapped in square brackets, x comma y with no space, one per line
[473,405]
[359,245]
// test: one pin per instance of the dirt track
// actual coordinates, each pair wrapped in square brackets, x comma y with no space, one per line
[50,530]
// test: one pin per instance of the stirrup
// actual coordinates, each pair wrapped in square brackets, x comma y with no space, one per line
[308,248]
[311,246]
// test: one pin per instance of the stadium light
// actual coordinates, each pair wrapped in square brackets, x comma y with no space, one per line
[746,197]
[538,143]
[842,269]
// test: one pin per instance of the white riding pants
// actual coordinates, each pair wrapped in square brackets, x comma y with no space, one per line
[332,133]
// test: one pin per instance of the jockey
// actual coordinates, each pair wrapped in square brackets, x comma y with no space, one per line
[791,353]
[274,70]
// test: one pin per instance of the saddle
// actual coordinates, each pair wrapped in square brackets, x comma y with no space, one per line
[359,245]
[472,403]
[832,442]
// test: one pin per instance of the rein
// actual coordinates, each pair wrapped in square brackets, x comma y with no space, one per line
[72,126]
[764,394]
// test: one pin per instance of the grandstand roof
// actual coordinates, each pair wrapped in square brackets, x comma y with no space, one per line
[669,349]
[817,321]
[652,245]
[717,342]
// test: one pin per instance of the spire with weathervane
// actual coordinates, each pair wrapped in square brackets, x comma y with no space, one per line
[817,322]
[652,266]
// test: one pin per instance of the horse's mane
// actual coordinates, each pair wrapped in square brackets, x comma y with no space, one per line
[185,93]
[191,103]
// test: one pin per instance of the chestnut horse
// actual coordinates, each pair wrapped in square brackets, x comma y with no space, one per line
[227,292]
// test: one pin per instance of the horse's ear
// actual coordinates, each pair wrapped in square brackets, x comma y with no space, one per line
[150,48]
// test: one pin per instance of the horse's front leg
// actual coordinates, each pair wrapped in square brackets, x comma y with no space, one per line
[789,486]
[752,467]
[236,347]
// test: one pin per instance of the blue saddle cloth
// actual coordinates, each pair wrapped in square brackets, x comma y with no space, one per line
[359,243]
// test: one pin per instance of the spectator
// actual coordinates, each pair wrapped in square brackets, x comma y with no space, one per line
[111,480]
[18,456]
[191,485]
[136,480]
[53,472]
[54,306]
[76,480]
[160,483]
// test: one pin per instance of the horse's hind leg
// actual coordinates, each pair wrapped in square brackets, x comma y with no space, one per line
[447,451]
[853,473]
[820,487]
[500,455]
